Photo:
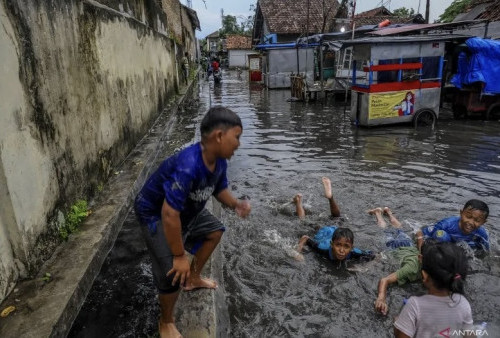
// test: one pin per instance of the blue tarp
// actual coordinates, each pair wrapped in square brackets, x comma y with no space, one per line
[480,64]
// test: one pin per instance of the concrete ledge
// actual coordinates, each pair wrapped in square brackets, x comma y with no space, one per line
[49,309]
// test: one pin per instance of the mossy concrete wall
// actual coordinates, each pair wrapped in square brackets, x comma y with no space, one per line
[82,81]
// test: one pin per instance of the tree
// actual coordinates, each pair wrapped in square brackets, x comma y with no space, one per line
[230,26]
[247,24]
[404,12]
[456,7]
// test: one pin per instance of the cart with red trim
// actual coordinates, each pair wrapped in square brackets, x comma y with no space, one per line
[402,82]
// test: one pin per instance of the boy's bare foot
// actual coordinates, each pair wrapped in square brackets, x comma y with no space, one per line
[168,330]
[201,283]
[394,221]
[327,185]
[375,211]
[297,199]
[378,214]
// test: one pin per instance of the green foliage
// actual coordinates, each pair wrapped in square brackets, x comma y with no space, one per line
[456,7]
[404,12]
[230,26]
[77,213]
[47,277]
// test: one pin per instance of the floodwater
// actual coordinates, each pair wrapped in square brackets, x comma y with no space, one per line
[286,147]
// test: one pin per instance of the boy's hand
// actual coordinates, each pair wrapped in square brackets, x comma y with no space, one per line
[381,306]
[181,269]
[243,208]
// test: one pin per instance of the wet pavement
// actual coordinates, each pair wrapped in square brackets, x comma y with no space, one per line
[286,147]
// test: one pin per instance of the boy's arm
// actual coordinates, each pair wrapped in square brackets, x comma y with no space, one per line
[172,228]
[419,236]
[242,207]
[380,302]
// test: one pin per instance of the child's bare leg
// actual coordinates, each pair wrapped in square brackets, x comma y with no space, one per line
[297,199]
[200,258]
[378,214]
[166,323]
[394,221]
[334,208]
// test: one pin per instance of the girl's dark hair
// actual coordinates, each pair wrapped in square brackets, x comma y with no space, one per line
[477,205]
[219,117]
[446,264]
[343,233]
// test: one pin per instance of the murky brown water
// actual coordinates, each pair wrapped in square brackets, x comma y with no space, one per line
[286,148]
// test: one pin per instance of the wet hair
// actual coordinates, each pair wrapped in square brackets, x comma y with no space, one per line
[446,264]
[219,117]
[477,205]
[343,233]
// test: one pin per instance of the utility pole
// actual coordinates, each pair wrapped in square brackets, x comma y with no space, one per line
[427,9]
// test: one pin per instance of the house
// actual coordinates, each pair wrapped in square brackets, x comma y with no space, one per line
[213,44]
[283,21]
[380,15]
[487,10]
[238,48]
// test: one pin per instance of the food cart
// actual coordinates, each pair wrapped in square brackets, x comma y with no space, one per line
[401,82]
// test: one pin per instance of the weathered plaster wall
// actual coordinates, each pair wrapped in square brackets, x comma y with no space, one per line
[82,82]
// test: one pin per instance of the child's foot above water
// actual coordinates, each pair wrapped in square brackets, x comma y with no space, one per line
[378,214]
[201,283]
[327,185]
[375,211]
[297,199]
[394,222]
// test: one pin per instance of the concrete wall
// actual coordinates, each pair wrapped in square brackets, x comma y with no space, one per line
[82,81]
[239,57]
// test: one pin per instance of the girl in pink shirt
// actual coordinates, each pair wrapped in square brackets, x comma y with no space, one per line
[444,309]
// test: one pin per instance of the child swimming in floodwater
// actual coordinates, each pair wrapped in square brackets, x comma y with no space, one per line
[444,307]
[335,243]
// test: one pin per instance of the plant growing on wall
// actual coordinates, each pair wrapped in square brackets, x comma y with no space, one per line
[75,216]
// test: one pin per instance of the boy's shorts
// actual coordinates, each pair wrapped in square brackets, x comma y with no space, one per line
[396,238]
[162,259]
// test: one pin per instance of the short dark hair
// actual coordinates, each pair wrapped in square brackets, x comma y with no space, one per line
[477,205]
[219,117]
[343,233]
[446,264]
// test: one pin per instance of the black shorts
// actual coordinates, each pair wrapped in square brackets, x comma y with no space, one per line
[162,259]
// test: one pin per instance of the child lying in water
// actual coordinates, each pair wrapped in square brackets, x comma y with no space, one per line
[335,243]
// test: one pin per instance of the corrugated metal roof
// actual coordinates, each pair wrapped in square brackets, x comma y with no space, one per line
[421,28]
[404,39]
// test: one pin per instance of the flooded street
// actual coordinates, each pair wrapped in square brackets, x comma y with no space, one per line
[286,148]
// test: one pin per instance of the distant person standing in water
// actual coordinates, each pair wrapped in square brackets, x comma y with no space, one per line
[171,210]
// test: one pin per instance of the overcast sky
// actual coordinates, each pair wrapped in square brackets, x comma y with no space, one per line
[209,11]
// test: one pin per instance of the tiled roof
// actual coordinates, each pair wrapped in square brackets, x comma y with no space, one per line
[375,20]
[379,11]
[213,35]
[238,42]
[492,12]
[290,16]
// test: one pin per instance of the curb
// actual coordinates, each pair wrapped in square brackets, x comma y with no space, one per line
[49,309]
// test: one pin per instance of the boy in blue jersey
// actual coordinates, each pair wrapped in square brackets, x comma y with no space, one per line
[334,243]
[464,228]
[171,210]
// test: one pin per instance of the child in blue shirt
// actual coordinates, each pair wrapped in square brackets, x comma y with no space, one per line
[464,228]
[334,243]
[171,210]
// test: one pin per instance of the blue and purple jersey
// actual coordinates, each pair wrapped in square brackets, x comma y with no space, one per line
[184,182]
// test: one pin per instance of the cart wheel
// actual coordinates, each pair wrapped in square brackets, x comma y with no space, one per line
[493,112]
[459,111]
[424,118]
